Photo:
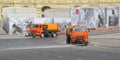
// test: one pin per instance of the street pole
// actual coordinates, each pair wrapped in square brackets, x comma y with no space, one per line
[35,3]
[13,3]
[106,9]
[119,15]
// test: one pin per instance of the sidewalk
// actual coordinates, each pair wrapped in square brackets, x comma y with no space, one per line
[112,36]
[104,32]
[108,40]
[2,32]
[107,43]
[4,35]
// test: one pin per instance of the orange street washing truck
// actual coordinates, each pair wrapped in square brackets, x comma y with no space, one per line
[43,30]
[77,35]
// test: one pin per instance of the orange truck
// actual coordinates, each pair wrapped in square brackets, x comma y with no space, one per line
[77,35]
[44,30]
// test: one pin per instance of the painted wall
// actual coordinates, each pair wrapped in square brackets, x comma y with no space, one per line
[95,17]
[92,17]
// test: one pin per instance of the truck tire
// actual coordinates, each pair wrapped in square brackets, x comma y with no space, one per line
[26,34]
[54,35]
[85,44]
[42,35]
[33,35]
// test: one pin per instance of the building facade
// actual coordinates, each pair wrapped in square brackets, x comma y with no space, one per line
[39,4]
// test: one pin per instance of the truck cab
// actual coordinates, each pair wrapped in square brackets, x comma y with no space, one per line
[77,35]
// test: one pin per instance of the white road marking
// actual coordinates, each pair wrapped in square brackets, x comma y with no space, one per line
[79,59]
[38,47]
[13,37]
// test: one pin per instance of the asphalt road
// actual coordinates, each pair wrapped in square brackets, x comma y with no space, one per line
[54,49]
[68,53]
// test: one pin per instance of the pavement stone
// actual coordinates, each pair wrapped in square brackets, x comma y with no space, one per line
[115,35]
[108,40]
[108,43]
[2,32]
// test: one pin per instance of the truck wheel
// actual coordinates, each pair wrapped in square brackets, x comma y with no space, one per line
[54,35]
[42,35]
[26,34]
[85,43]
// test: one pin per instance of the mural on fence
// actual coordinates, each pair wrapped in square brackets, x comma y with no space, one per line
[113,15]
[19,25]
[91,17]
[75,15]
[95,17]
[82,16]
[100,18]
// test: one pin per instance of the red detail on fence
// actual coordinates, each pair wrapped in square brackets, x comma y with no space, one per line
[113,11]
[77,11]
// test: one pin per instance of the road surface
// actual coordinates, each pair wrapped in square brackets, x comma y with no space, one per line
[56,49]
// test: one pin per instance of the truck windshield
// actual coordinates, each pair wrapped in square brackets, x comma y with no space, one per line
[34,26]
[79,29]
